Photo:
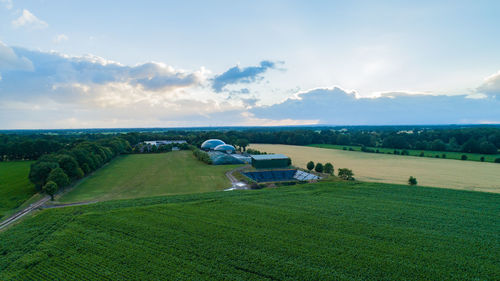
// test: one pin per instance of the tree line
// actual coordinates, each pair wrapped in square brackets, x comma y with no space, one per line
[55,171]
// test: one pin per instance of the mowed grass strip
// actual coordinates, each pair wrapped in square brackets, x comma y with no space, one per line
[15,187]
[145,175]
[326,231]
[456,174]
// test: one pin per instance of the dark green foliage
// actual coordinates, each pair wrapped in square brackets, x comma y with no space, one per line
[40,171]
[328,168]
[325,231]
[202,156]
[422,154]
[70,166]
[50,188]
[412,181]
[463,157]
[310,165]
[481,159]
[345,174]
[443,155]
[319,168]
[497,160]
[58,176]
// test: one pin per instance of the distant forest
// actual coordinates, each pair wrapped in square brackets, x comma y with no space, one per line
[31,145]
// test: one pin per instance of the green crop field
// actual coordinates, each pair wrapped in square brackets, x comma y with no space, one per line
[457,174]
[324,231]
[15,187]
[414,152]
[144,175]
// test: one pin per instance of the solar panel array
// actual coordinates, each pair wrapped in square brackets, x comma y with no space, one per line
[304,176]
[281,175]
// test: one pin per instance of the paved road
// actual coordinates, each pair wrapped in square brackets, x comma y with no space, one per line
[24,212]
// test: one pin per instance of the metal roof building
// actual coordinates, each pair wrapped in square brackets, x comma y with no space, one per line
[267,161]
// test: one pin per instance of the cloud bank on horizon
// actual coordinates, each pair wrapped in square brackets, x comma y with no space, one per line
[53,90]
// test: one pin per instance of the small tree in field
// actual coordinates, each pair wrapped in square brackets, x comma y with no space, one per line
[412,181]
[50,188]
[328,168]
[346,174]
[319,168]
[464,157]
[310,165]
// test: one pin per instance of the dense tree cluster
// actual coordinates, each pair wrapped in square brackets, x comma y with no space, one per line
[202,156]
[72,163]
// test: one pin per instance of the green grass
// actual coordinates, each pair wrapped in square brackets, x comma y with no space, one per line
[15,187]
[145,175]
[325,231]
[415,152]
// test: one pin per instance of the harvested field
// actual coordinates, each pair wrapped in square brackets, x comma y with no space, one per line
[373,167]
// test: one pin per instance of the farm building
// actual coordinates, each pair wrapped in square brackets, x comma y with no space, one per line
[161,142]
[269,161]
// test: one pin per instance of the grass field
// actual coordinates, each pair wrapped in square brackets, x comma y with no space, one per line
[144,175]
[414,152]
[457,174]
[15,187]
[324,231]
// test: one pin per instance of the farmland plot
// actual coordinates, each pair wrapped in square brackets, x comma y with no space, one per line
[446,173]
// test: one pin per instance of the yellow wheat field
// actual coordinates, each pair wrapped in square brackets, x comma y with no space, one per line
[456,174]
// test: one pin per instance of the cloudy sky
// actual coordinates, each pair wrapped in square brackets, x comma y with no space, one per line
[83,64]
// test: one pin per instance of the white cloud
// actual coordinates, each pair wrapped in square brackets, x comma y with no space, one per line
[9,61]
[491,85]
[27,19]
[7,3]
[60,38]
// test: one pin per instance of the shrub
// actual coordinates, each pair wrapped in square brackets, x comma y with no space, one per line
[405,152]
[50,188]
[443,156]
[497,160]
[422,154]
[481,159]
[346,174]
[202,156]
[464,157]
[328,168]
[310,165]
[344,148]
[412,181]
[351,149]
[319,168]
[436,156]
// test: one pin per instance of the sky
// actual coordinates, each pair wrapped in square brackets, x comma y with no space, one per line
[99,64]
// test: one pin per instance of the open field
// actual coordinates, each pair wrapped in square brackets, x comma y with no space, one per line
[15,187]
[468,175]
[144,175]
[414,152]
[324,231]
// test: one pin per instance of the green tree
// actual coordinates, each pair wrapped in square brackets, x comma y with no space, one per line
[50,188]
[40,171]
[310,165]
[412,181]
[328,168]
[70,166]
[319,168]
[345,174]
[242,143]
[463,157]
[58,176]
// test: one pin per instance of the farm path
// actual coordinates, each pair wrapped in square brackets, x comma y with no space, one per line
[24,212]
[235,183]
